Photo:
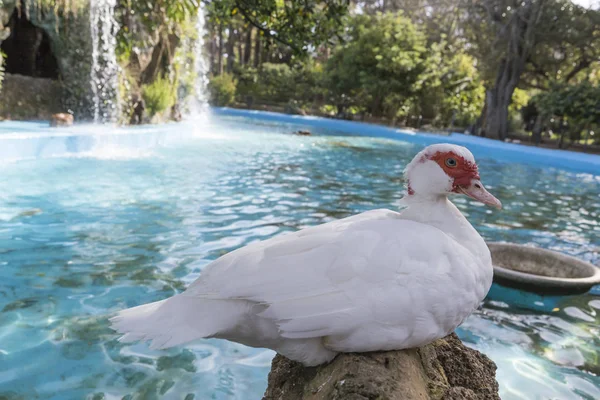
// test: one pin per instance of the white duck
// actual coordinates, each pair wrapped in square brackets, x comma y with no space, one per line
[380,280]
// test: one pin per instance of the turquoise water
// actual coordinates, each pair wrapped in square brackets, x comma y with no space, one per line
[95,219]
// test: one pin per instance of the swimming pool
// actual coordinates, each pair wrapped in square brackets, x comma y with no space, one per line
[94,219]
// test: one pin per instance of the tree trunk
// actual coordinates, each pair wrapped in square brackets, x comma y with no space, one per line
[230,49]
[257,51]
[520,40]
[537,130]
[495,119]
[162,57]
[220,54]
[587,136]
[248,46]
[152,69]
[376,106]
[213,51]
[562,131]
[240,47]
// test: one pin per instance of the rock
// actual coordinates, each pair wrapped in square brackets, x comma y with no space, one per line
[302,133]
[42,97]
[443,370]
[138,110]
[176,113]
[293,107]
[6,9]
[61,119]
[4,33]
[30,213]
[68,33]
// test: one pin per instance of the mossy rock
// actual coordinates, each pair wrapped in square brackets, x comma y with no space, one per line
[443,370]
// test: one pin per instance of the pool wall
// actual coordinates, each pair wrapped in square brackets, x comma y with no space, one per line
[564,159]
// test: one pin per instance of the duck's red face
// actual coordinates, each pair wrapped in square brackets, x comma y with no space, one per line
[460,170]
[465,177]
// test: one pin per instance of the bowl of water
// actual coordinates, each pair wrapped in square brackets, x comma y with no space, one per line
[541,270]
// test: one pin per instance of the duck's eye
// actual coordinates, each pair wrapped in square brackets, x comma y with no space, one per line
[450,162]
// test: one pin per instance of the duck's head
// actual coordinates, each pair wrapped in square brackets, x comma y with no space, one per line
[443,169]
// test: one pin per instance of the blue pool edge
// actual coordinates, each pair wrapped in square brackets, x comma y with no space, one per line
[564,159]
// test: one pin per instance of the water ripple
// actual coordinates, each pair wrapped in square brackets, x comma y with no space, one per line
[82,236]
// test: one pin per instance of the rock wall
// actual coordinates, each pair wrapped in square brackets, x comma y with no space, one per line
[68,32]
[151,47]
[443,370]
[25,98]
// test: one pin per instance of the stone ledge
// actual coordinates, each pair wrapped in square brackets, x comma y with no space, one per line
[29,98]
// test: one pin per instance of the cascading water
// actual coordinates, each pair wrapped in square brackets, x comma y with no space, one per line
[200,103]
[104,74]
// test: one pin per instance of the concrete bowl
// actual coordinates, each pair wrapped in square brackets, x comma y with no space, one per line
[541,271]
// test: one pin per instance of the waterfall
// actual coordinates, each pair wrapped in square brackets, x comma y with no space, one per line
[104,74]
[200,104]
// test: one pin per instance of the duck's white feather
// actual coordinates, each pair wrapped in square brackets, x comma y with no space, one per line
[375,281]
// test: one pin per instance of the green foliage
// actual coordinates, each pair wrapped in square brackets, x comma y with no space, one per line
[308,79]
[575,106]
[248,85]
[276,82]
[222,89]
[567,44]
[294,24]
[159,96]
[137,18]
[451,89]
[280,83]
[578,102]
[58,7]
[159,14]
[163,33]
[379,65]
[520,100]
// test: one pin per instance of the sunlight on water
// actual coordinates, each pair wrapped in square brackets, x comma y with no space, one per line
[96,219]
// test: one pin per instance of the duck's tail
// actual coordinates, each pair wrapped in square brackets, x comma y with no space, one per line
[177,320]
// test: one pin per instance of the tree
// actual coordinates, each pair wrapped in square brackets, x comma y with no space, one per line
[567,51]
[296,24]
[567,46]
[436,17]
[575,107]
[451,89]
[504,34]
[163,18]
[379,64]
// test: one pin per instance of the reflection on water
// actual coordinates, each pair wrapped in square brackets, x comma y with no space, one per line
[86,232]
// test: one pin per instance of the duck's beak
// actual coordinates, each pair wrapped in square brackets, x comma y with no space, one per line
[477,191]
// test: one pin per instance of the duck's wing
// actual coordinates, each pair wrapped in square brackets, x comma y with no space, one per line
[330,279]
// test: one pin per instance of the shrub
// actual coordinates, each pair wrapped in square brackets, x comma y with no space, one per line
[280,83]
[159,96]
[570,108]
[247,89]
[276,82]
[222,89]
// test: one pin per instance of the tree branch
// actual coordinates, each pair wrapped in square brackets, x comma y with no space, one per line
[581,65]
[267,32]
